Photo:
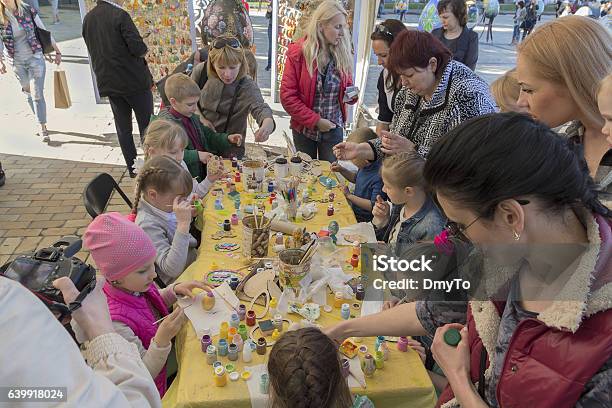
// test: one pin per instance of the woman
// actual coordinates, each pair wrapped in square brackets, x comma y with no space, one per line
[455,34]
[25,54]
[537,218]
[558,86]
[388,84]
[317,74]
[438,94]
[491,11]
[230,94]
[530,19]
[519,17]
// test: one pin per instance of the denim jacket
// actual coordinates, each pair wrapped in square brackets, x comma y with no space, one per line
[422,226]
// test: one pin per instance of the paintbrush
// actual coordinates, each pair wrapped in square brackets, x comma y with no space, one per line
[270,222]
[163,318]
[308,252]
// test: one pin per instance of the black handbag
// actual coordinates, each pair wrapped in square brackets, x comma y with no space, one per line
[43,36]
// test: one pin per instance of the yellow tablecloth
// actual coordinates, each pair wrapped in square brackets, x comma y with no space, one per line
[402,382]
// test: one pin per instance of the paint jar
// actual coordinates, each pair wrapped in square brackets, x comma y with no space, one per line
[452,337]
[345,311]
[275,335]
[234,320]
[277,321]
[402,344]
[211,354]
[368,366]
[346,368]
[222,347]
[354,261]
[208,301]
[223,330]
[217,364]
[356,248]
[241,312]
[243,332]
[261,346]
[234,162]
[338,300]
[378,342]
[218,204]
[232,352]
[233,283]
[332,196]
[270,186]
[281,168]
[379,360]
[359,292]
[330,210]
[264,384]
[231,333]
[295,166]
[220,377]
[385,349]
[237,178]
[247,352]
[279,239]
[227,226]
[272,197]
[234,219]
[205,342]
[273,305]
[238,342]
[250,318]
[230,368]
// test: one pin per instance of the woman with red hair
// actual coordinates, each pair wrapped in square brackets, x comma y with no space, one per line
[438,94]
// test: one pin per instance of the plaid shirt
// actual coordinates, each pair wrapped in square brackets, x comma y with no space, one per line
[27,22]
[326,99]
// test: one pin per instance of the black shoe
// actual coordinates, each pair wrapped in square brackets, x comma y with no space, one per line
[132,174]
[267,68]
[2,176]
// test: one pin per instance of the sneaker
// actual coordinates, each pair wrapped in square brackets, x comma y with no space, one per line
[45,136]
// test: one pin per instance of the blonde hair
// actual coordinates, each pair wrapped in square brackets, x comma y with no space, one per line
[163,134]
[605,83]
[506,90]
[21,6]
[227,56]
[572,51]
[404,170]
[180,87]
[316,47]
[162,173]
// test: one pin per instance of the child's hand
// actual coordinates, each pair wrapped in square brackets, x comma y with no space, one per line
[335,166]
[346,191]
[265,130]
[204,156]
[182,209]
[169,327]
[418,347]
[186,288]
[381,211]
[215,170]
[235,139]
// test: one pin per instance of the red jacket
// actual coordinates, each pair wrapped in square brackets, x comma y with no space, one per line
[550,359]
[298,88]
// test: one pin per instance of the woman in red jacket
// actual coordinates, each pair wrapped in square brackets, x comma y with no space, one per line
[317,74]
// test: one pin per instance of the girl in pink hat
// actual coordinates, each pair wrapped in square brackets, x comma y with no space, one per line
[125,256]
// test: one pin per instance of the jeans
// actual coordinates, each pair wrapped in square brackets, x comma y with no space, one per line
[269,46]
[122,106]
[323,147]
[32,70]
[516,34]
[34,3]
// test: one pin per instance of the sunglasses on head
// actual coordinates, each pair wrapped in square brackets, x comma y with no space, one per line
[381,28]
[226,42]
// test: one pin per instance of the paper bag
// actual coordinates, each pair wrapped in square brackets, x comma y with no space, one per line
[60,90]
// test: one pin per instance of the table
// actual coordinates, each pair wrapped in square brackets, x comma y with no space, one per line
[402,382]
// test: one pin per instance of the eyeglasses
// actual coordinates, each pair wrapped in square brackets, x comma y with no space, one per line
[458,231]
[381,28]
[226,42]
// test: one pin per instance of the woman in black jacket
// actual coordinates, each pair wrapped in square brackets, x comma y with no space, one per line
[454,34]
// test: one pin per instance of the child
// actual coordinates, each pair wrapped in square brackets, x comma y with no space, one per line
[164,138]
[305,371]
[604,102]
[414,216]
[368,184]
[164,212]
[506,90]
[230,95]
[183,94]
[125,257]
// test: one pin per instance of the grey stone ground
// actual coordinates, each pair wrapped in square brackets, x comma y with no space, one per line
[85,132]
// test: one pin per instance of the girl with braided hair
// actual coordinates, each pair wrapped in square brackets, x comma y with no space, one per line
[163,210]
[305,372]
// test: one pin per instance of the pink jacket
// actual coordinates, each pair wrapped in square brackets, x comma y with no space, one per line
[298,88]
[135,312]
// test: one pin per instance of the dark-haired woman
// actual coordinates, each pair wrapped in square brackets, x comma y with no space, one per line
[542,335]
[438,94]
[388,84]
[454,33]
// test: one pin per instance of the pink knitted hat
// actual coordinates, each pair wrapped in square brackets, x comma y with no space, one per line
[117,245]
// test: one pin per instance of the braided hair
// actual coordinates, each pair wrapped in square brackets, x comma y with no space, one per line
[164,174]
[501,156]
[305,372]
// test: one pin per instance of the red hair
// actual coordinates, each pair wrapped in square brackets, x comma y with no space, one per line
[414,49]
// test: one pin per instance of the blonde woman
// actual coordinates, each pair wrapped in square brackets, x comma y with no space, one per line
[559,80]
[25,53]
[317,73]
[230,94]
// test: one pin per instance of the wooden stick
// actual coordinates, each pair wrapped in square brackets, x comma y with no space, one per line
[308,251]
[270,222]
[255,215]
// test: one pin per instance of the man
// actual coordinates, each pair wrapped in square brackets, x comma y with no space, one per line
[269,17]
[117,53]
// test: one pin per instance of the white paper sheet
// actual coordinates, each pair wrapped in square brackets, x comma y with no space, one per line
[355,364]
[201,319]
[364,229]
[258,400]
[369,307]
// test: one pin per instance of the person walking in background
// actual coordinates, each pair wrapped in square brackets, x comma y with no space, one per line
[18,22]
[117,53]
[531,17]
[519,18]
[402,6]
[269,17]
[55,11]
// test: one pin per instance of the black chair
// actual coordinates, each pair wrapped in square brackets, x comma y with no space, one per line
[98,192]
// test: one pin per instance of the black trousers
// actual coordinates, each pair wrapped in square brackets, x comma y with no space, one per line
[122,106]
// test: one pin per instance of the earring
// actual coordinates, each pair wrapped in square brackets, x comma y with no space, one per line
[115,282]
[517,236]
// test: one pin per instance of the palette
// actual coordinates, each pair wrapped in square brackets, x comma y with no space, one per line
[217,277]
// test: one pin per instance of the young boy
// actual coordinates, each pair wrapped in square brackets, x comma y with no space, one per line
[368,183]
[184,94]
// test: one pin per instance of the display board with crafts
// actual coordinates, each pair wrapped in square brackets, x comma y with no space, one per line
[281,247]
[166,27]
